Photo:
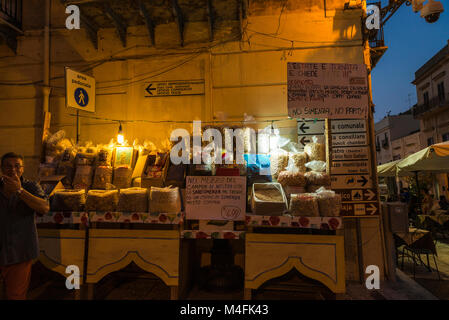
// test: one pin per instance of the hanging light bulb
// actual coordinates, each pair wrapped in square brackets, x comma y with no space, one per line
[120,136]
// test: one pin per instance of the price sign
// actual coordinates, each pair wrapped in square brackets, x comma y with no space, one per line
[215,198]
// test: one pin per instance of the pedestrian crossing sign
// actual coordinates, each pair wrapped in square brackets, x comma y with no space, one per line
[80,91]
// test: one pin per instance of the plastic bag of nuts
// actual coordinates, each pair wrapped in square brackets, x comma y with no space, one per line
[133,200]
[304,204]
[83,177]
[68,200]
[297,162]
[165,200]
[102,177]
[102,200]
[278,163]
[122,177]
[315,150]
[287,178]
[317,178]
[329,203]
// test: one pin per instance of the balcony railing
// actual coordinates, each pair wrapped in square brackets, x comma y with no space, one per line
[434,103]
[11,12]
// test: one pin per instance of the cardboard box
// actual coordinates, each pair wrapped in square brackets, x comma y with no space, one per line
[51,183]
[156,182]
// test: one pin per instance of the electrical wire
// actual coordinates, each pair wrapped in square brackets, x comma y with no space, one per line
[176,121]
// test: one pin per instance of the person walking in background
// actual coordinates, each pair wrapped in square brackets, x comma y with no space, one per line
[20,199]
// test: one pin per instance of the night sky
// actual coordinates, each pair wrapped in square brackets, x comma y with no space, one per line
[411,43]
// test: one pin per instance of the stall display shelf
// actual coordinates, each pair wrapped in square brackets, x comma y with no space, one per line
[219,234]
[322,223]
[112,217]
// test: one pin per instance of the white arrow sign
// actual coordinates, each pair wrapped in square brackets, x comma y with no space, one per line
[369,194]
[372,209]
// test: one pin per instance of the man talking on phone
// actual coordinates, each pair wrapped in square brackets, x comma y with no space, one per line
[20,199]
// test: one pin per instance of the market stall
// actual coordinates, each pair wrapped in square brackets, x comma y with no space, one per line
[282,192]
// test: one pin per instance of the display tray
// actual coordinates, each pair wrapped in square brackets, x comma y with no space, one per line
[112,217]
[322,223]
[219,234]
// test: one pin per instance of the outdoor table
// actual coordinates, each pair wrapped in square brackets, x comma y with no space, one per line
[441,217]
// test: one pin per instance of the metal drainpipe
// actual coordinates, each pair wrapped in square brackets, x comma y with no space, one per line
[46,88]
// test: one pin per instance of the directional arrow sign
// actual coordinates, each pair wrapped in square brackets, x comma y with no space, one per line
[351,167]
[304,140]
[362,180]
[349,139]
[149,89]
[350,153]
[303,127]
[358,195]
[174,88]
[340,126]
[369,195]
[359,209]
[351,182]
[310,126]
[371,209]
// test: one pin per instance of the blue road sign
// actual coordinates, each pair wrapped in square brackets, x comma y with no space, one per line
[81,97]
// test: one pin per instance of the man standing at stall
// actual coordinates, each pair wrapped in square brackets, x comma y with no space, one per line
[20,199]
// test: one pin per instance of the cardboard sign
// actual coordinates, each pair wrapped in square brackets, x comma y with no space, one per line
[359,209]
[327,90]
[215,198]
[351,167]
[350,153]
[349,139]
[351,182]
[80,91]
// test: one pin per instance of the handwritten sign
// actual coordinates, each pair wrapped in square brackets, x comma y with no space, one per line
[327,90]
[215,198]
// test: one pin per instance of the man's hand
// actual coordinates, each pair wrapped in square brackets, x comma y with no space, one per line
[12,184]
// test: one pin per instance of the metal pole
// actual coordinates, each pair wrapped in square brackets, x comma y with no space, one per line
[418,191]
[77,126]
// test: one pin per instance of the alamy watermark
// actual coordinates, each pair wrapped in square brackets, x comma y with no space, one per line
[182,152]
[73,20]
[373,280]
[73,278]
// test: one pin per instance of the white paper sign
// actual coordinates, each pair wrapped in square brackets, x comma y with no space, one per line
[215,198]
[80,91]
[327,90]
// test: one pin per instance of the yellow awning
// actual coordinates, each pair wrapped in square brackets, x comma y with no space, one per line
[434,159]
[387,169]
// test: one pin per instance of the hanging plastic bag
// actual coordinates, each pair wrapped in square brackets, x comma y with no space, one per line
[316,165]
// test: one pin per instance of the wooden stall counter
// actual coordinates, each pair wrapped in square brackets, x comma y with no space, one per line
[268,256]
[99,252]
